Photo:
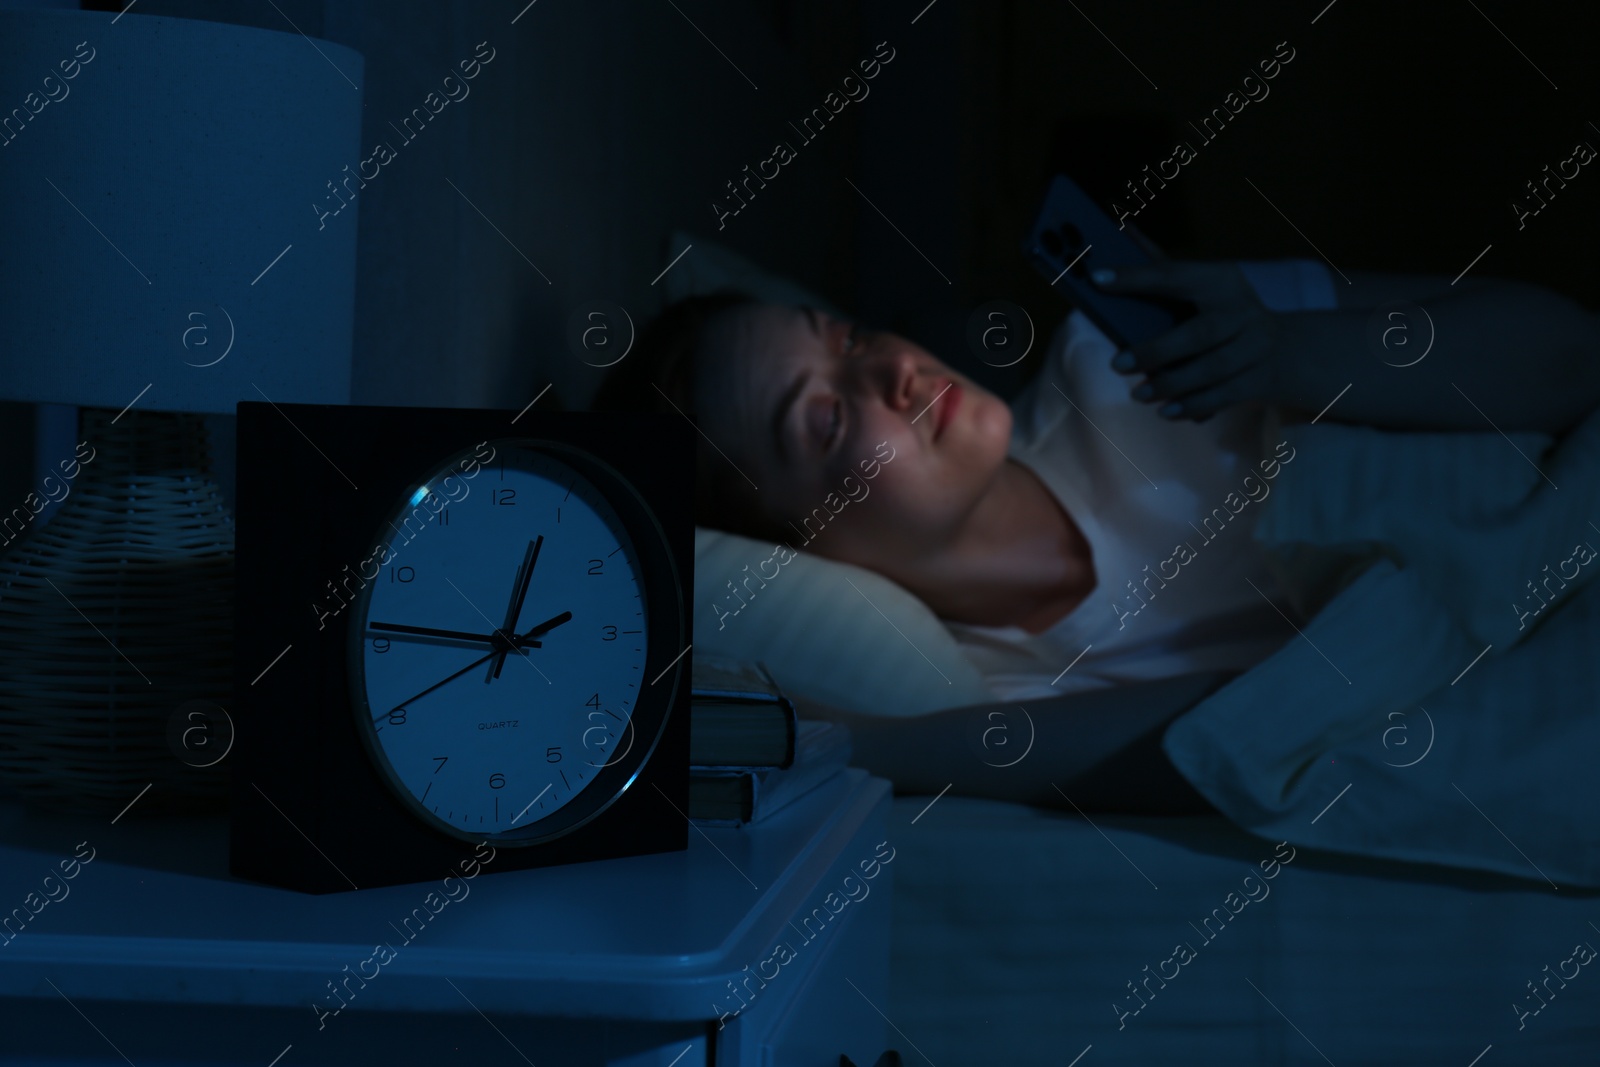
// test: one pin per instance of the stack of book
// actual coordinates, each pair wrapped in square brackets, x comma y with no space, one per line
[749,753]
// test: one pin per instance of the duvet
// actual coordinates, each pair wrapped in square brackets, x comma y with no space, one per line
[1442,704]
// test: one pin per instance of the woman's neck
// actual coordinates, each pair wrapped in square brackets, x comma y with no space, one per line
[1019,560]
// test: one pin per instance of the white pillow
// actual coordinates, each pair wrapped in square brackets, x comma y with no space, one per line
[871,646]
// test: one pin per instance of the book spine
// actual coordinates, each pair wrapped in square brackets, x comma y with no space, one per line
[827,753]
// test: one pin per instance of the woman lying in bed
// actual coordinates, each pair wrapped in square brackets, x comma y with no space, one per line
[1043,532]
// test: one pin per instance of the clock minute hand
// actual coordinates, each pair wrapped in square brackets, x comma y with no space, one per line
[526,640]
[497,640]
[518,596]
[429,631]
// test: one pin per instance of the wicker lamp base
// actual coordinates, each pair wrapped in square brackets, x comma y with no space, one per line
[116,626]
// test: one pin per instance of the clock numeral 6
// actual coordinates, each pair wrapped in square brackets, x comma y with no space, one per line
[507,497]
[497,781]
[611,633]
[397,717]
[380,645]
[548,758]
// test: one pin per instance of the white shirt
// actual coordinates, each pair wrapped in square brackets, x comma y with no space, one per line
[1139,486]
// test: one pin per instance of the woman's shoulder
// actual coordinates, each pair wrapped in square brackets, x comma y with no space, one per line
[1074,373]
[1075,346]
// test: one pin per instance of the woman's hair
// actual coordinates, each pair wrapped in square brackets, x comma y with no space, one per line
[659,374]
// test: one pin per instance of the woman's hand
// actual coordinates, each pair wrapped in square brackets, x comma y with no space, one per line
[1232,352]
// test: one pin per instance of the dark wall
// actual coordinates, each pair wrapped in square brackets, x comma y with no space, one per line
[1397,137]
[599,128]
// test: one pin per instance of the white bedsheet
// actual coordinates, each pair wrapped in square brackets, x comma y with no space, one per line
[1438,645]
[1016,931]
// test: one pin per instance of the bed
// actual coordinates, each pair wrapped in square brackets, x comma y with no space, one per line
[1432,846]
[1016,932]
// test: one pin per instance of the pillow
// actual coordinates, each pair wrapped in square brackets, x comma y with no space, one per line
[830,633]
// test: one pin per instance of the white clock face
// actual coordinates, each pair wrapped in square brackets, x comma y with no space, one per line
[502,645]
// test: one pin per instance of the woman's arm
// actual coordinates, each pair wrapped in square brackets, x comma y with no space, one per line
[1500,354]
[1100,750]
[1505,355]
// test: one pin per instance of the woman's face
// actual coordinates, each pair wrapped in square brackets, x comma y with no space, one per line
[799,401]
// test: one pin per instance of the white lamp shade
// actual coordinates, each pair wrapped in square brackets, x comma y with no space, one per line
[158,178]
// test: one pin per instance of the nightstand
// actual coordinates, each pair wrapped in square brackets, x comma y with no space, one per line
[156,954]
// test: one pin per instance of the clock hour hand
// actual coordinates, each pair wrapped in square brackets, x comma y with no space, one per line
[524,640]
[517,596]
[548,625]
[521,641]
[429,631]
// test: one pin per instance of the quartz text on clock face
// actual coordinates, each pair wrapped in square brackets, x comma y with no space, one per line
[502,646]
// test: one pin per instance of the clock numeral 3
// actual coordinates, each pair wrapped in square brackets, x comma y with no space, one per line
[611,633]
[497,781]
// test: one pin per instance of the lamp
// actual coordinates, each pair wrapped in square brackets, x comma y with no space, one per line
[160,262]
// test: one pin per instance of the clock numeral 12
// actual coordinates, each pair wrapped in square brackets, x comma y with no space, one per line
[506,497]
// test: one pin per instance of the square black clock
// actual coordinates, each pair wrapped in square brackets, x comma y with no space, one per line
[458,630]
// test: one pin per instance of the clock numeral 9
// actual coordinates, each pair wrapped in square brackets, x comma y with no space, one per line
[402,574]
[380,645]
[497,781]
[548,758]
[397,717]
[506,497]
[611,633]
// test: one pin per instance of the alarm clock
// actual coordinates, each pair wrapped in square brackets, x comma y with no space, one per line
[457,630]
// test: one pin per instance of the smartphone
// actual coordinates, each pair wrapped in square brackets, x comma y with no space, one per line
[1073,236]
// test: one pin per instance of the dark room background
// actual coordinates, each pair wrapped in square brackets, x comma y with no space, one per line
[1397,138]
